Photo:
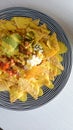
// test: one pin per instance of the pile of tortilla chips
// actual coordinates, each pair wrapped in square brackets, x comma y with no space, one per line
[32,80]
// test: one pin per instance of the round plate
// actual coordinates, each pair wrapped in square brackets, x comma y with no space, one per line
[60,81]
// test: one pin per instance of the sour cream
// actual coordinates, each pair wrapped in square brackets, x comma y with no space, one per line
[34,61]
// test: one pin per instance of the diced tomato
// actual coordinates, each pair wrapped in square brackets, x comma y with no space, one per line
[11,72]
[5,66]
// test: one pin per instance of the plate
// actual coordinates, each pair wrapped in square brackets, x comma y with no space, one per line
[60,81]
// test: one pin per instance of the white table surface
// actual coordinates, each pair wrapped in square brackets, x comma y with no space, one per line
[58,114]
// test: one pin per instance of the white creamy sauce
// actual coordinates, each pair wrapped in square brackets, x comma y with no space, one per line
[34,61]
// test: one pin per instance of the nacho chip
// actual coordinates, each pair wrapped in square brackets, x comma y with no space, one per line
[21,22]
